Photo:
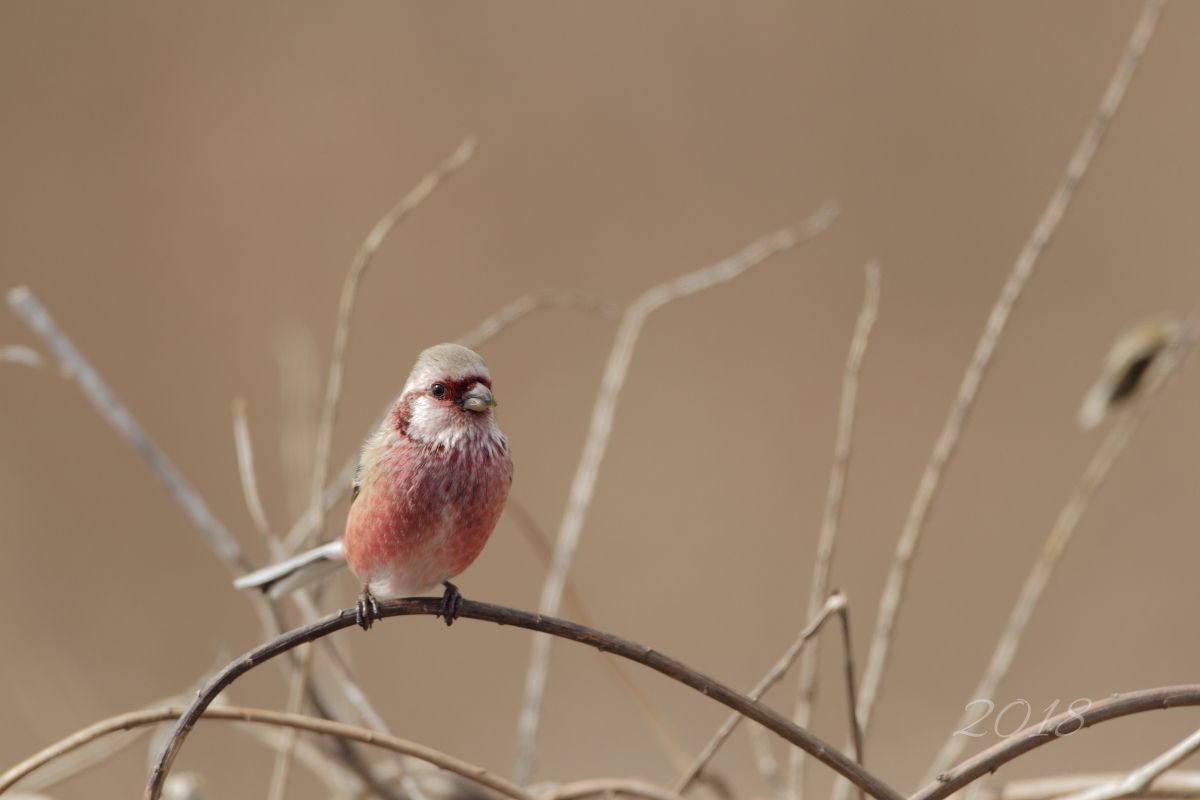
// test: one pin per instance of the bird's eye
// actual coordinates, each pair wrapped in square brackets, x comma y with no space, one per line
[438,390]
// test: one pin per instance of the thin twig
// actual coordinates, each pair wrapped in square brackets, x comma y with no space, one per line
[1178,785]
[246,473]
[856,733]
[501,615]
[645,705]
[831,516]
[20,354]
[278,718]
[525,305]
[603,413]
[1136,781]
[947,441]
[341,336]
[1054,728]
[26,306]
[777,671]
[1093,477]
[298,687]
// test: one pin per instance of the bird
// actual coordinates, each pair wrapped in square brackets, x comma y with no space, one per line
[429,487]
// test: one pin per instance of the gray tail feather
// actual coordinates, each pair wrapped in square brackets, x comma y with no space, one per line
[277,580]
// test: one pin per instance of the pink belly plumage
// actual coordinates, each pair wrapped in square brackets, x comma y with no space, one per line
[424,513]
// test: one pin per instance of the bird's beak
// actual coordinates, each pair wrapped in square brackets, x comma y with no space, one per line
[478,399]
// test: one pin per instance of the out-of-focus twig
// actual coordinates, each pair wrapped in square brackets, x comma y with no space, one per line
[26,306]
[246,473]
[947,441]
[831,516]
[596,443]
[341,336]
[20,354]
[525,305]
[1135,783]
[1093,477]
[833,604]
[1175,785]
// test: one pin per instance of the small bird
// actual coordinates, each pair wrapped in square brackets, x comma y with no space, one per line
[430,485]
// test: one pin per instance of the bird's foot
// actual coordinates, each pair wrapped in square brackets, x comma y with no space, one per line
[366,610]
[451,603]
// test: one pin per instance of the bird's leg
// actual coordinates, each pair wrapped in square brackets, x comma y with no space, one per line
[366,610]
[451,603]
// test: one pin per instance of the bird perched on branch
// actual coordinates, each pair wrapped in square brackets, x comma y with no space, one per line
[431,483]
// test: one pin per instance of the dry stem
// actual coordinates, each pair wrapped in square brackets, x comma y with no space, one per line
[1179,785]
[833,604]
[536,622]
[1135,782]
[20,354]
[26,306]
[298,722]
[584,483]
[823,563]
[947,441]
[246,473]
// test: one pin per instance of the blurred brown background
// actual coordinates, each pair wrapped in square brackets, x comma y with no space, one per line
[184,184]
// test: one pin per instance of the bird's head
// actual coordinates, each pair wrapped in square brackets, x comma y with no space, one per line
[449,395]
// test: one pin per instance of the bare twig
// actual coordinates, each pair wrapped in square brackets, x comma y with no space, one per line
[525,305]
[341,336]
[502,615]
[823,563]
[856,732]
[277,718]
[245,459]
[603,413]
[1068,519]
[1177,785]
[645,705]
[26,306]
[833,604]
[947,441]
[20,354]
[1135,783]
[1057,727]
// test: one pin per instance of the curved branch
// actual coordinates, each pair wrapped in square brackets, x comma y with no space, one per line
[503,615]
[1035,736]
[153,716]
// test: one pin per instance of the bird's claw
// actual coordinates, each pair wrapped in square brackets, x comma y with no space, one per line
[451,603]
[366,610]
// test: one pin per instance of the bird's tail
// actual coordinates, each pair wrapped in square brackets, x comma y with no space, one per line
[277,580]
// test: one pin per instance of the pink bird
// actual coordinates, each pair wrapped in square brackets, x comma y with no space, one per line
[431,483]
